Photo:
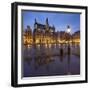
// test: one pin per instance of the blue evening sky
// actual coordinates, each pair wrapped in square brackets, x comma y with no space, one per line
[59,20]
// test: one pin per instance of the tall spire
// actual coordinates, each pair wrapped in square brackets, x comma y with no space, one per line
[68,26]
[68,29]
[46,21]
[35,20]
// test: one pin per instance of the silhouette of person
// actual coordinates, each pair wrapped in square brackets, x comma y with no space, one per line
[61,51]
[69,50]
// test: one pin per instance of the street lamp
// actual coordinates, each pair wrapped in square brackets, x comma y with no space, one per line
[68,29]
[68,32]
[69,49]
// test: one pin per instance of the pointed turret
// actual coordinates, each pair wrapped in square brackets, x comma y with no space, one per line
[29,29]
[47,22]
[35,20]
[35,24]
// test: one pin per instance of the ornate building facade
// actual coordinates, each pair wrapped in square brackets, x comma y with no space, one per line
[43,33]
[76,37]
[28,36]
[46,34]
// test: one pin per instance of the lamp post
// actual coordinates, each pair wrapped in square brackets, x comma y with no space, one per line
[68,32]
[69,50]
[68,29]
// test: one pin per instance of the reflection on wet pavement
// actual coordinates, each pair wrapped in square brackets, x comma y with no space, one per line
[47,61]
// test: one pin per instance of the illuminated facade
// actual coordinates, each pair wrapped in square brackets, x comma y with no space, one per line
[43,33]
[76,37]
[46,34]
[27,36]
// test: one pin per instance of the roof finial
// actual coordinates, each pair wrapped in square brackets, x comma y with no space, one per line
[47,21]
[35,20]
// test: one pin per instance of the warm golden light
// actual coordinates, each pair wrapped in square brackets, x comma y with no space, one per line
[49,39]
[68,30]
